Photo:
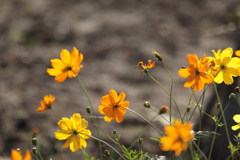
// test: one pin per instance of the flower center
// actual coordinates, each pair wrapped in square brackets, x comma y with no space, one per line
[197,72]
[222,67]
[75,132]
[67,69]
[116,106]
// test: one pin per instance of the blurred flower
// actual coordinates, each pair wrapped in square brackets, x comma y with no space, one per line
[144,67]
[74,130]
[15,155]
[114,106]
[224,67]
[177,137]
[46,103]
[236,118]
[68,66]
[237,53]
[196,73]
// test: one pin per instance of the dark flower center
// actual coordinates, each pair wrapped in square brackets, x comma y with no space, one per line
[222,67]
[75,132]
[67,69]
[116,106]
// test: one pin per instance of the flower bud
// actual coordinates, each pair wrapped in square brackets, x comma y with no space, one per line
[34,151]
[19,150]
[163,109]
[157,55]
[188,109]
[147,104]
[218,105]
[34,142]
[88,110]
[237,89]
[106,153]
[232,96]
[140,140]
[114,132]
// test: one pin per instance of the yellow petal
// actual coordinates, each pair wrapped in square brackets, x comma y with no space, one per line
[61,77]
[53,71]
[121,97]
[236,127]
[76,120]
[184,72]
[27,155]
[58,64]
[68,142]
[65,124]
[65,57]
[236,118]
[108,119]
[62,134]
[219,78]
[15,155]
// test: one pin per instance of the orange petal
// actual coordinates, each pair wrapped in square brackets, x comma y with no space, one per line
[65,57]
[61,77]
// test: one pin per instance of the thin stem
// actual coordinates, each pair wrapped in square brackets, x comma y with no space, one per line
[171,88]
[92,112]
[167,93]
[145,120]
[199,150]
[56,114]
[105,143]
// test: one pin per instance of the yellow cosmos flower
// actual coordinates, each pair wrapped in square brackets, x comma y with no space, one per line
[15,155]
[224,67]
[74,130]
[143,67]
[114,106]
[46,103]
[177,137]
[68,66]
[196,73]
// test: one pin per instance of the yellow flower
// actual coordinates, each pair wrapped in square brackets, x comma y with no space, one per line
[177,137]
[143,67]
[46,103]
[74,130]
[68,66]
[15,155]
[224,67]
[196,73]
[114,106]
[236,118]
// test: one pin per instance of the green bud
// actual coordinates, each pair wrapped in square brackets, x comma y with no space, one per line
[188,109]
[237,89]
[147,104]
[88,110]
[34,151]
[114,132]
[34,141]
[218,105]
[140,140]
[106,153]
[232,96]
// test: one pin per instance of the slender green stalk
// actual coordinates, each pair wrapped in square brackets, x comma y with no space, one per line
[92,112]
[199,150]
[142,132]
[171,88]
[105,143]
[167,93]
[145,120]
[85,91]
[56,114]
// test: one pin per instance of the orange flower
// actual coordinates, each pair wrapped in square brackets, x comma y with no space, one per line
[113,106]
[46,103]
[144,67]
[15,155]
[196,73]
[68,66]
[177,137]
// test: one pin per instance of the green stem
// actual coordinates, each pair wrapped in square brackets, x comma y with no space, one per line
[92,112]
[56,114]
[145,120]
[105,143]
[167,93]
[171,88]
[199,150]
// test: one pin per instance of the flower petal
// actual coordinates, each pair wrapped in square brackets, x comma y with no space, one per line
[62,134]
[65,57]
[236,118]
[61,77]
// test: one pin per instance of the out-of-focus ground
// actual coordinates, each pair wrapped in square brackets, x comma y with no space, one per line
[113,36]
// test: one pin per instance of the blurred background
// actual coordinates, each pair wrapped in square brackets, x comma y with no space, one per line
[113,36]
